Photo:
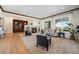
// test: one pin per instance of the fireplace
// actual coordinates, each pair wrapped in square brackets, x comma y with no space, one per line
[34,30]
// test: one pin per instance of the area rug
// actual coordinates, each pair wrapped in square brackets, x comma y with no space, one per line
[58,46]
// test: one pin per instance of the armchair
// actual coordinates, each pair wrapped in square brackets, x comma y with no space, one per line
[27,33]
[43,41]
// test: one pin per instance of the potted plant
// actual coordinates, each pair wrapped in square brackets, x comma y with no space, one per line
[72,31]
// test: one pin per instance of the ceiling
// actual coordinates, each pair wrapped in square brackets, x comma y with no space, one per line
[39,11]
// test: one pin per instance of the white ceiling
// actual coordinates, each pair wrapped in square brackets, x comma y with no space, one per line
[39,11]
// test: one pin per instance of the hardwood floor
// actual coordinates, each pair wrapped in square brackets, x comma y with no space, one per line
[12,44]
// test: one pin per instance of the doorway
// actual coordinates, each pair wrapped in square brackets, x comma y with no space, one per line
[47,25]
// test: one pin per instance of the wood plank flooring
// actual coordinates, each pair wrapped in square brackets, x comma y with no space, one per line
[12,44]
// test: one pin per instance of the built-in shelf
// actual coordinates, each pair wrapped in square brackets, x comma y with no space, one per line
[18,25]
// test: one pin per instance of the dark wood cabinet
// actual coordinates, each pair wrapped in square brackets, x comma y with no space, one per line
[18,25]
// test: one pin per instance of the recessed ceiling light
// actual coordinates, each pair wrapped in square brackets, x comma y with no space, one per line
[63,8]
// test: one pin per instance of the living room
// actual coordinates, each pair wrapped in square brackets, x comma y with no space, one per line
[58,23]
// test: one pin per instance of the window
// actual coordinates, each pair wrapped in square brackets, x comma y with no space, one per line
[62,23]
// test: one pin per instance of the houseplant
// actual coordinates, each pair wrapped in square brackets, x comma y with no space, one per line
[72,30]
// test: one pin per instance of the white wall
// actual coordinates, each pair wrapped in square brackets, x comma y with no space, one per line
[73,18]
[1,13]
[69,15]
[76,18]
[8,20]
[8,23]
